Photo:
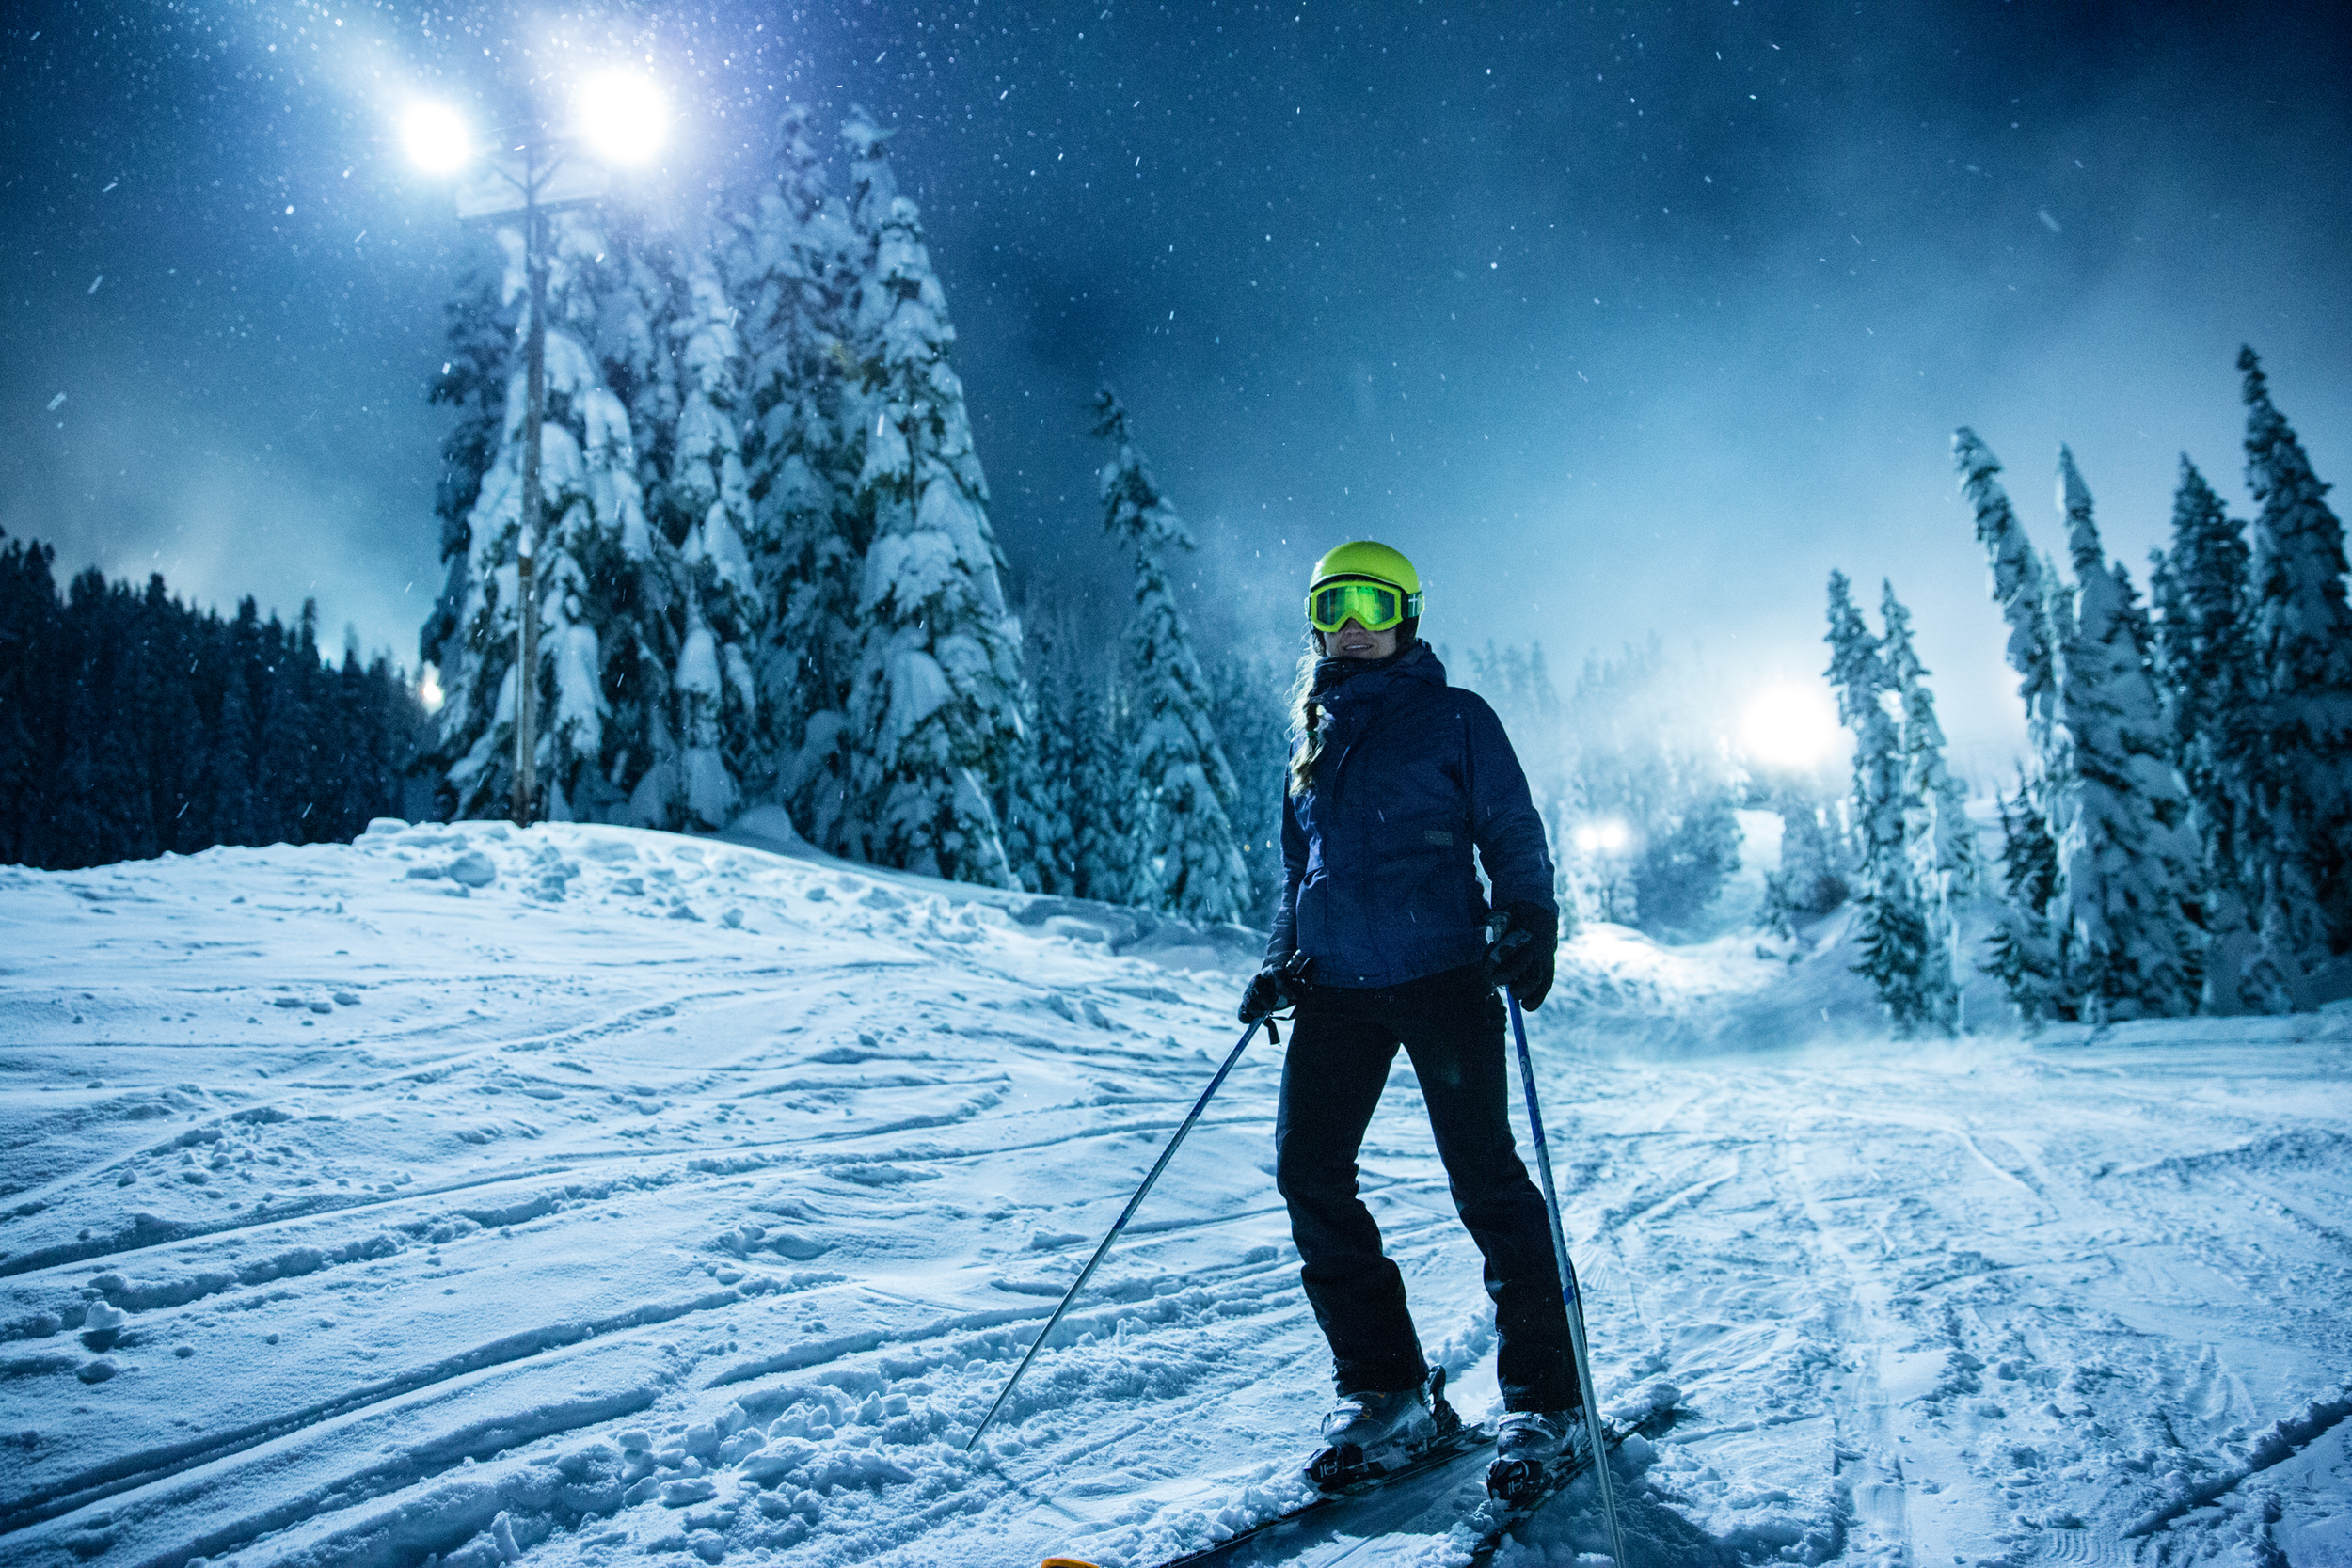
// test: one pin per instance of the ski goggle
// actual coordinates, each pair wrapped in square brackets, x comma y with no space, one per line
[1374,606]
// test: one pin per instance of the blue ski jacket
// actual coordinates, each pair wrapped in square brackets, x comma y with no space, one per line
[1379,883]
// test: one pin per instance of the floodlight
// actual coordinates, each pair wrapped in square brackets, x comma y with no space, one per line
[622,117]
[1789,726]
[1609,834]
[436,137]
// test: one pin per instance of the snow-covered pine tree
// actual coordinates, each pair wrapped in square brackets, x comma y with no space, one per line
[1254,730]
[641,304]
[727,747]
[795,285]
[32,688]
[2204,661]
[1186,853]
[1061,652]
[1942,842]
[2030,951]
[598,550]
[936,706]
[2127,855]
[1681,869]
[483,323]
[1045,796]
[1031,813]
[1900,958]
[2302,637]
[2025,951]
[1811,881]
[1103,796]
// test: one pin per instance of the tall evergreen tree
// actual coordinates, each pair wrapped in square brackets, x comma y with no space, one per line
[2026,955]
[178,739]
[2127,856]
[1251,725]
[30,689]
[1900,957]
[2023,585]
[84,789]
[1033,812]
[605,579]
[289,726]
[727,749]
[797,289]
[2205,665]
[481,322]
[2301,846]
[1942,842]
[1811,881]
[1055,694]
[235,802]
[1103,796]
[2031,950]
[632,307]
[936,706]
[1186,792]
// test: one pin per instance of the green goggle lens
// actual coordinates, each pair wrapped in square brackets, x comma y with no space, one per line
[1374,606]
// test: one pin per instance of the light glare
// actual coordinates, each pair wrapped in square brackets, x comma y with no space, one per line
[1607,835]
[1789,726]
[622,117]
[436,137]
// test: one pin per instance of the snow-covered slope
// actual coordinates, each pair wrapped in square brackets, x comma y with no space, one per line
[1744,991]
[575,1194]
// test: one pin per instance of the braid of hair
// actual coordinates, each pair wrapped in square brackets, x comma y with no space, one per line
[1307,718]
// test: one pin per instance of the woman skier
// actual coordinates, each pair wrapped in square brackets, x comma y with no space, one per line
[1383,938]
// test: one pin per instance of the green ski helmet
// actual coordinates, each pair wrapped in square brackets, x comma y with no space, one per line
[1368,584]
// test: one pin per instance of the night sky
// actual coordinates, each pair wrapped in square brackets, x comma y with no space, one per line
[1619,320]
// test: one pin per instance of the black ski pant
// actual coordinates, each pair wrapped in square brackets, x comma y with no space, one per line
[1451,1026]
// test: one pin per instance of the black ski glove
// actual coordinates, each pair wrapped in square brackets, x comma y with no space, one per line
[1274,988]
[1522,956]
[1263,996]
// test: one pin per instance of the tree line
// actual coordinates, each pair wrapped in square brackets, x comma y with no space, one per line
[133,724]
[2179,837]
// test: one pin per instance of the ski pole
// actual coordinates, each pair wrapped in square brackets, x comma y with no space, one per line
[1129,1213]
[1569,1295]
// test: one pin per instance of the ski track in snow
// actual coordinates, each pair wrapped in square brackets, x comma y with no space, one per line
[632,1194]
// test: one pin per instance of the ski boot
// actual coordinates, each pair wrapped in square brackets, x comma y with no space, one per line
[1369,1434]
[1532,1445]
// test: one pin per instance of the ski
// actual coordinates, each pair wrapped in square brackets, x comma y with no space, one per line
[1432,1465]
[1482,1533]
[1439,1491]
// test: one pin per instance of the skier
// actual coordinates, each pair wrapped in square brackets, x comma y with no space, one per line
[1384,938]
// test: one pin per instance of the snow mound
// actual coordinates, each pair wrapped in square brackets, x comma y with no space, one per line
[1621,991]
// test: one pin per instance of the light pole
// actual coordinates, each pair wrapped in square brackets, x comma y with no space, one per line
[620,118]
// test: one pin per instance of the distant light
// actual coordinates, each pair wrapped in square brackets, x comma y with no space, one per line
[1607,835]
[436,138]
[1789,726]
[622,117]
[429,692]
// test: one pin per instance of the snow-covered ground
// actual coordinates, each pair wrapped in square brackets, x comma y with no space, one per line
[582,1193]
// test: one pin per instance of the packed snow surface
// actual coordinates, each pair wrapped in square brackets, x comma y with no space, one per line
[577,1194]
